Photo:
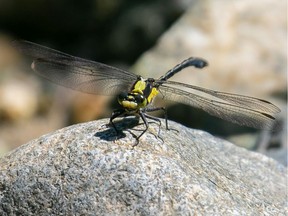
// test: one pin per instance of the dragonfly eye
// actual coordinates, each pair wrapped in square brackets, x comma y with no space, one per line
[139,98]
[122,96]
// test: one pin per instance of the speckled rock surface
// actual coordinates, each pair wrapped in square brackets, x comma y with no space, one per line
[84,170]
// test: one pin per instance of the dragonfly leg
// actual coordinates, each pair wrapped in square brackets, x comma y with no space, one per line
[152,109]
[115,114]
[143,116]
[157,120]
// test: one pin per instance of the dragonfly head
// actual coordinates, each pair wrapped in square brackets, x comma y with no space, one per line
[132,101]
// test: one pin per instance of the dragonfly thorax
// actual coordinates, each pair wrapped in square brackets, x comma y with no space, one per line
[141,94]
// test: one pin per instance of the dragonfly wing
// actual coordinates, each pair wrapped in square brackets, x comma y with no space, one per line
[76,73]
[241,100]
[236,113]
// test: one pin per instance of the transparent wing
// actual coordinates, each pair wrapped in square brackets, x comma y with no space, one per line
[74,72]
[239,109]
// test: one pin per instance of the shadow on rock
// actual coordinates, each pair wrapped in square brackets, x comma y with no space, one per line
[122,125]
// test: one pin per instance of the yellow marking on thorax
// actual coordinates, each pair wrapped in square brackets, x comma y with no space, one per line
[153,94]
[139,86]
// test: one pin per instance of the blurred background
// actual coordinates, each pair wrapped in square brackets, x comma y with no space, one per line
[245,43]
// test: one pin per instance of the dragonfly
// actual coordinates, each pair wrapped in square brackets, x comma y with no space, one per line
[135,94]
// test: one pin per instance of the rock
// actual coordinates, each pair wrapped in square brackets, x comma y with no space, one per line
[84,170]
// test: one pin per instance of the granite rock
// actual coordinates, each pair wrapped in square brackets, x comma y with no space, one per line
[86,169]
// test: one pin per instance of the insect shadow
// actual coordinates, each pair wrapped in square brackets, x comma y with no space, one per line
[124,124]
